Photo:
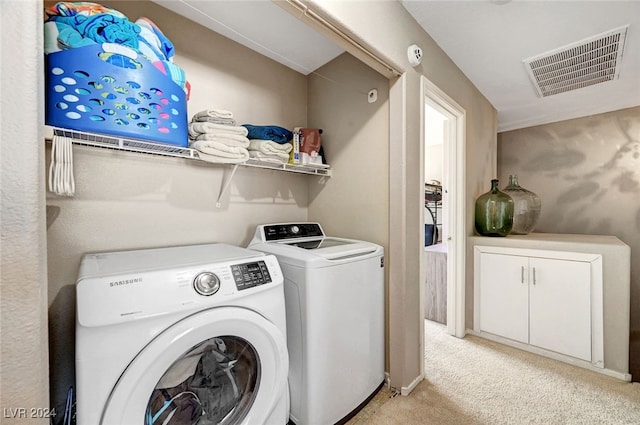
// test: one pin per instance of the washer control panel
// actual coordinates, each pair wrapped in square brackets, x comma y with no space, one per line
[123,286]
[274,232]
[249,275]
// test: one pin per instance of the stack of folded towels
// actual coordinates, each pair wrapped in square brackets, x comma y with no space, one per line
[269,143]
[217,138]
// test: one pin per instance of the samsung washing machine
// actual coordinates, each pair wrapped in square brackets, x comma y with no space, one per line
[181,335]
[334,294]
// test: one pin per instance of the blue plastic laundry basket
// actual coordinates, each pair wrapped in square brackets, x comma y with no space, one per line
[86,93]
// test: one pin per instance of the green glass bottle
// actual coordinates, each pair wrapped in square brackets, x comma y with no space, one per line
[494,212]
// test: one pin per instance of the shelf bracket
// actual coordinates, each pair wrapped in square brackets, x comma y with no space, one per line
[226,186]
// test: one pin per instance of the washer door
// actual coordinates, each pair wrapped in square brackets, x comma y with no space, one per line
[221,366]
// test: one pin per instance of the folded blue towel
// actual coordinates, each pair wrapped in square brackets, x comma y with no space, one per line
[269,132]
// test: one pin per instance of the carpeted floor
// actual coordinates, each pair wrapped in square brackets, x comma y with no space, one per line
[474,381]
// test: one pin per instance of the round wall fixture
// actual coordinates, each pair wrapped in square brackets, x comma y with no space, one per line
[414,53]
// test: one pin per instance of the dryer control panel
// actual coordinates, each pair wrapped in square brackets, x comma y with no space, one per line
[249,275]
[275,232]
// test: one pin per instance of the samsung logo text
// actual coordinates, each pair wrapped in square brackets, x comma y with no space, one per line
[125,282]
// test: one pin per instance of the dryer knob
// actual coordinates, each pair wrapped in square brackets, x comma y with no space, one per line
[206,283]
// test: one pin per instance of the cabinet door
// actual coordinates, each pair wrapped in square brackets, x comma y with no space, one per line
[504,296]
[560,306]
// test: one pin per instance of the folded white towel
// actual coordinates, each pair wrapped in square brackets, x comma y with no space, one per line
[212,113]
[219,152]
[228,139]
[270,147]
[216,116]
[197,128]
[268,157]
[224,121]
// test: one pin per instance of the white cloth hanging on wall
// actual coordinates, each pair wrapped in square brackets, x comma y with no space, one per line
[61,168]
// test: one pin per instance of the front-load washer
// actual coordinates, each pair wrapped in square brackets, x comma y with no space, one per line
[334,294]
[181,335]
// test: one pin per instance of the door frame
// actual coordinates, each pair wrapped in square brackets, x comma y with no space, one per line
[455,179]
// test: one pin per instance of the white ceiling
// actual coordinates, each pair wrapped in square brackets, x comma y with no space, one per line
[488,40]
[262,26]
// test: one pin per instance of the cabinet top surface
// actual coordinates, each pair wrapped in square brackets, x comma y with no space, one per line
[559,238]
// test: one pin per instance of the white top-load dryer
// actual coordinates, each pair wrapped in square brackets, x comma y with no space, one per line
[334,295]
[181,335]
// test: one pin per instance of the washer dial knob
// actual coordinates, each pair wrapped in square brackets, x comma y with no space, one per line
[295,229]
[206,283]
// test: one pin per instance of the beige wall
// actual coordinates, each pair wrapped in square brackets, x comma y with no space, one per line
[585,171]
[388,30]
[24,371]
[354,201]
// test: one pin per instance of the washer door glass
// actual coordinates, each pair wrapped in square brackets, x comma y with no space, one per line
[226,365]
[215,382]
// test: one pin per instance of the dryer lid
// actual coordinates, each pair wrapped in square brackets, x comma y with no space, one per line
[320,243]
[342,251]
[305,245]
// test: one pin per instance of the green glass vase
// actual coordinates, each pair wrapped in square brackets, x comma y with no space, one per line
[494,212]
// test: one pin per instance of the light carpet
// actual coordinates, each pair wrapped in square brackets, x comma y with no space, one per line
[476,381]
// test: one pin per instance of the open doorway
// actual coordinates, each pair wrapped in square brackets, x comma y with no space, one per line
[435,226]
[444,142]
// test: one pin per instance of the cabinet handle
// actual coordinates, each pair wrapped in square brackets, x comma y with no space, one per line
[534,275]
[522,274]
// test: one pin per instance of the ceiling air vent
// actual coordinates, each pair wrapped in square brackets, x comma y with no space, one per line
[591,61]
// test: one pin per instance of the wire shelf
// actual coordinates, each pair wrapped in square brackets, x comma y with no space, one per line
[149,148]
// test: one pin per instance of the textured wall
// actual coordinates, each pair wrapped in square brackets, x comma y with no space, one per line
[23,283]
[587,174]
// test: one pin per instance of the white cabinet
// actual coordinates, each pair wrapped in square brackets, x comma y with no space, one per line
[504,294]
[560,306]
[545,299]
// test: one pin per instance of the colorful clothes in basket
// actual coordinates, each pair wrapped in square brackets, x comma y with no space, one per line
[67,8]
[103,28]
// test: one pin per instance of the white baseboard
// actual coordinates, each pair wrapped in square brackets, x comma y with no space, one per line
[407,390]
